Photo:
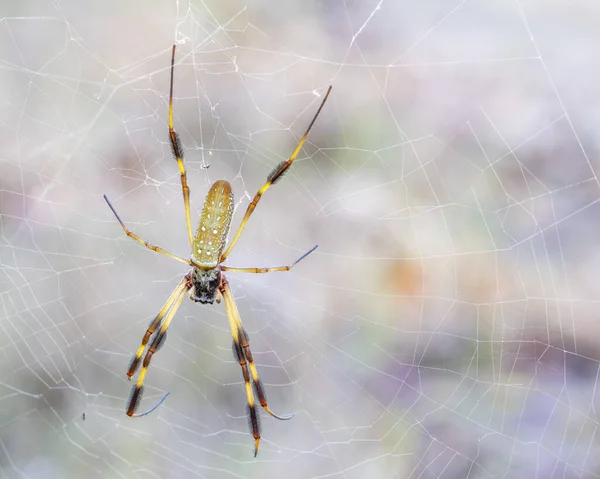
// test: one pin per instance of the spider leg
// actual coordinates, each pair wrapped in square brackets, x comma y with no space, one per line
[135,362]
[269,270]
[140,240]
[145,413]
[243,355]
[277,172]
[258,387]
[177,149]
[138,388]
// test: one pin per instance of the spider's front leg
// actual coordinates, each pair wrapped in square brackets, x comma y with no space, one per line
[177,149]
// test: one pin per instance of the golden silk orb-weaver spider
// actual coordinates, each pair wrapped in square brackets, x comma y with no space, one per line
[206,282]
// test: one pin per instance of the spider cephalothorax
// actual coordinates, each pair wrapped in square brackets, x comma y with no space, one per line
[206,285]
[206,282]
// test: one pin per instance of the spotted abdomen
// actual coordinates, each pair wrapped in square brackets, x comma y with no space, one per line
[214,226]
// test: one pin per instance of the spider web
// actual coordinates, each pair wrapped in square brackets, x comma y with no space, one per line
[446,327]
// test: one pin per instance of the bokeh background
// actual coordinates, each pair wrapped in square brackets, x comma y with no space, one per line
[447,325]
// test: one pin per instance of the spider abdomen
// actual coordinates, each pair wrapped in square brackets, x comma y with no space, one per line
[213,226]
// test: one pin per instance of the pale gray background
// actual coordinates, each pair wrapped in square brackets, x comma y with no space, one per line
[447,326]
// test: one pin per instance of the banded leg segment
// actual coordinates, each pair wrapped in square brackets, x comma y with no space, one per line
[138,388]
[140,240]
[241,349]
[269,270]
[258,387]
[239,355]
[177,149]
[135,362]
[253,417]
[275,175]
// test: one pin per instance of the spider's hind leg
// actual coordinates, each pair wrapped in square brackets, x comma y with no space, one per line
[243,355]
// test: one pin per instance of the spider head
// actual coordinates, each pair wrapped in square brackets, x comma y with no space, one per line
[206,285]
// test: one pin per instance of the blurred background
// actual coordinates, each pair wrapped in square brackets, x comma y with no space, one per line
[447,325]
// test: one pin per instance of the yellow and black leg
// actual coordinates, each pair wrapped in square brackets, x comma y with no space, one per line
[177,149]
[275,175]
[138,389]
[243,355]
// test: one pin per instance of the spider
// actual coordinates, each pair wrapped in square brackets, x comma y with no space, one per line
[206,282]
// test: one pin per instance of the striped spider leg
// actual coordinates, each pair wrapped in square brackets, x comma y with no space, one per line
[206,282]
